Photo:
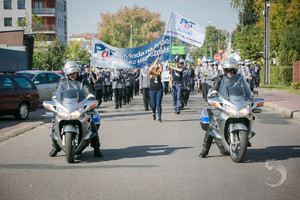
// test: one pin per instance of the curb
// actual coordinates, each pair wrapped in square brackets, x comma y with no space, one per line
[294,114]
[22,130]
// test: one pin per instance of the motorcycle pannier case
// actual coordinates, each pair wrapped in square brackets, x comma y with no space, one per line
[204,119]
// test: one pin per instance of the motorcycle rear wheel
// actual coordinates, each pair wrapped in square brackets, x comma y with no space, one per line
[69,148]
[238,153]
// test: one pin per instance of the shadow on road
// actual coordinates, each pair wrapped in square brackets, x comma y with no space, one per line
[110,154]
[67,166]
[131,152]
[272,153]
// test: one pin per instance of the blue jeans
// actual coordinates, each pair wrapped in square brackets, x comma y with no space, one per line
[155,101]
[177,95]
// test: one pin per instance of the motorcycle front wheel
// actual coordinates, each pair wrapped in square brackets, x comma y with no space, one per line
[239,148]
[69,148]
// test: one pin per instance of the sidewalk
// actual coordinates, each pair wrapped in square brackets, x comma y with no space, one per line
[280,101]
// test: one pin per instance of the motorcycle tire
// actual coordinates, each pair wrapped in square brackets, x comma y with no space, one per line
[240,151]
[69,148]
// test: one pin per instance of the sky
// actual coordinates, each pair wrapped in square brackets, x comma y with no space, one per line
[84,15]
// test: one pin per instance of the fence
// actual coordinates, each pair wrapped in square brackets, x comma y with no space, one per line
[296,72]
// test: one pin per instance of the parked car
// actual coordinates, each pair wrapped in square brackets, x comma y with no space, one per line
[45,81]
[18,95]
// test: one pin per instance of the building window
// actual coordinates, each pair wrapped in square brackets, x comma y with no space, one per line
[21,22]
[7,21]
[38,4]
[7,4]
[21,4]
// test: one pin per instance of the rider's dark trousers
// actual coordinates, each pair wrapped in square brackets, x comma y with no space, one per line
[207,140]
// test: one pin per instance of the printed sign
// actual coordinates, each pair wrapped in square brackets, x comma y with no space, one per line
[106,56]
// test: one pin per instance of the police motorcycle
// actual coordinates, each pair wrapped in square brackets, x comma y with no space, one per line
[72,116]
[230,120]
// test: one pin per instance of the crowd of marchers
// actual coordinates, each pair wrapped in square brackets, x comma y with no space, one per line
[177,77]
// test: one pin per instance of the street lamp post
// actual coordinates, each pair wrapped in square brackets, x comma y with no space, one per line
[267,44]
[130,35]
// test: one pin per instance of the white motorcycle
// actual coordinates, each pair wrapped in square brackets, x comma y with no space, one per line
[73,115]
[230,121]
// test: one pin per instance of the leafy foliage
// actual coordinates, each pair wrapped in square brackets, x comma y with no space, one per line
[210,46]
[51,58]
[115,28]
[77,54]
[249,40]
[284,29]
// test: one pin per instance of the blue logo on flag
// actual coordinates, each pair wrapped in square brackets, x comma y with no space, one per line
[187,24]
[106,52]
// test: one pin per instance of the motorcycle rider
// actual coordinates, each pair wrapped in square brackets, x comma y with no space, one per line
[71,71]
[230,67]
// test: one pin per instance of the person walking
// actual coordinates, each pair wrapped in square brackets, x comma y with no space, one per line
[175,83]
[256,77]
[117,86]
[165,78]
[144,86]
[136,81]
[156,88]
[185,86]
[107,86]
[98,85]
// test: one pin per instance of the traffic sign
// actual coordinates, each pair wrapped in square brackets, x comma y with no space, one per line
[217,57]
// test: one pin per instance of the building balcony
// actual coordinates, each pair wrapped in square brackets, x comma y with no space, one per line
[45,28]
[44,11]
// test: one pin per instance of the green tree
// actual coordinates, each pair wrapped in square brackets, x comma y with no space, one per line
[289,47]
[115,29]
[50,58]
[249,40]
[284,29]
[77,54]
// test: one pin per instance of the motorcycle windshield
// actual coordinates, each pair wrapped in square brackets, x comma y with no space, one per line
[70,93]
[234,88]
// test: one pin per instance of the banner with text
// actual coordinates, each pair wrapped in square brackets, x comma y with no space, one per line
[106,56]
[185,29]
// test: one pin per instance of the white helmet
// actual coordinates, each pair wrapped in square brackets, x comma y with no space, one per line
[230,64]
[71,68]
[181,61]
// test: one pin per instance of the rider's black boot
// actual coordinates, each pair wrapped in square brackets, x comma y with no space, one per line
[54,152]
[204,152]
[55,149]
[206,144]
[98,153]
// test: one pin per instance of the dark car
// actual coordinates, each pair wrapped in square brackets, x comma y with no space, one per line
[18,95]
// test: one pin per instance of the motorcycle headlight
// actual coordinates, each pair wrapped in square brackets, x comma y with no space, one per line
[66,115]
[245,111]
[231,111]
[62,114]
[76,114]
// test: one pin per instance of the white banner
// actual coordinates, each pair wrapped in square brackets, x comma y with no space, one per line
[185,29]
[106,56]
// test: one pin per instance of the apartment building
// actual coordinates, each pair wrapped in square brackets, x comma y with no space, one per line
[53,13]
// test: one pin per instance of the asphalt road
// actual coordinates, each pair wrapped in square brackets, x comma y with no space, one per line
[150,160]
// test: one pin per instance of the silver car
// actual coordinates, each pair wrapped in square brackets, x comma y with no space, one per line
[45,81]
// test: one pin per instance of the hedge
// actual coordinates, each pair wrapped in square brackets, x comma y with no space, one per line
[282,75]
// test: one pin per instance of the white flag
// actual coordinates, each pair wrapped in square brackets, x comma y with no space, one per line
[185,29]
